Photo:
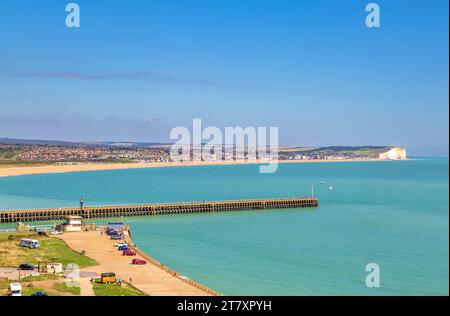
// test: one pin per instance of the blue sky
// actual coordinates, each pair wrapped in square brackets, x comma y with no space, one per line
[135,69]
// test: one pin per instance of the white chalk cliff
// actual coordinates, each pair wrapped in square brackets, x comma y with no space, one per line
[394,153]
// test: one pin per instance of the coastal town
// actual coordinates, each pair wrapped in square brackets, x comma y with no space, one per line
[16,153]
[59,154]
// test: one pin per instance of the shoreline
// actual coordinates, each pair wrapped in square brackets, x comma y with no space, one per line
[175,274]
[48,169]
[153,279]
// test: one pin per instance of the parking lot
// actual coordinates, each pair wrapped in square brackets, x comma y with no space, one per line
[13,273]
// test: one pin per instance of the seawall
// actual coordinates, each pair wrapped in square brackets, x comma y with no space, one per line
[12,216]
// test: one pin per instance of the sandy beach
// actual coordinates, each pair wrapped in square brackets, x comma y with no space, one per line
[149,278]
[27,170]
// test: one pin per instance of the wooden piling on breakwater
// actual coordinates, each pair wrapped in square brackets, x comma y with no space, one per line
[154,209]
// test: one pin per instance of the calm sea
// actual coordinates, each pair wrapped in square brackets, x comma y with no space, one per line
[394,214]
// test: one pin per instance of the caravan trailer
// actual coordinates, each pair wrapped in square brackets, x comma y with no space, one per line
[29,243]
[109,277]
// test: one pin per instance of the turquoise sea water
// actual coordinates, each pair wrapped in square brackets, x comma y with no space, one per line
[395,214]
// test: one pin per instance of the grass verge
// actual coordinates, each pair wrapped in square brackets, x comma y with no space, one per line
[62,287]
[116,290]
[52,249]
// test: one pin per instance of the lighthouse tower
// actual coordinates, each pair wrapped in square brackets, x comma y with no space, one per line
[83,212]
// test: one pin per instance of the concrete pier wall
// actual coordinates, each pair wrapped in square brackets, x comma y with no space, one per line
[154,209]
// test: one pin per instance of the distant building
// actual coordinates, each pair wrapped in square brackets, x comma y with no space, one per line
[73,224]
[54,268]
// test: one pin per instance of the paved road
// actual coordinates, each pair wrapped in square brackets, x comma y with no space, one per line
[13,273]
[148,278]
[86,287]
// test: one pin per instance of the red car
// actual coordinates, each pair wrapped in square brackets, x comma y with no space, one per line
[138,261]
[128,253]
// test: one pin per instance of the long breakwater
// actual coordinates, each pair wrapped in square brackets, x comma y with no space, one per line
[34,215]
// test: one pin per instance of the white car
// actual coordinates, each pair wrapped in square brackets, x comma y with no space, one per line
[56,232]
[120,244]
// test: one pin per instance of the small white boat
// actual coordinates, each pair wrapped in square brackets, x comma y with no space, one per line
[330,188]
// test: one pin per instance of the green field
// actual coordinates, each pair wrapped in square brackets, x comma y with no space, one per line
[62,287]
[29,290]
[52,249]
[116,290]
[14,164]
[56,286]
[50,284]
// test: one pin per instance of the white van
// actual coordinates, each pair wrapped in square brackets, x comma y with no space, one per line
[15,289]
[29,243]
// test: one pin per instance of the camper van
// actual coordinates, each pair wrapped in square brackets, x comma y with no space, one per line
[29,243]
[15,289]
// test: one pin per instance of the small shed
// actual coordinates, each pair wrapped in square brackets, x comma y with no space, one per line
[54,267]
[50,267]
